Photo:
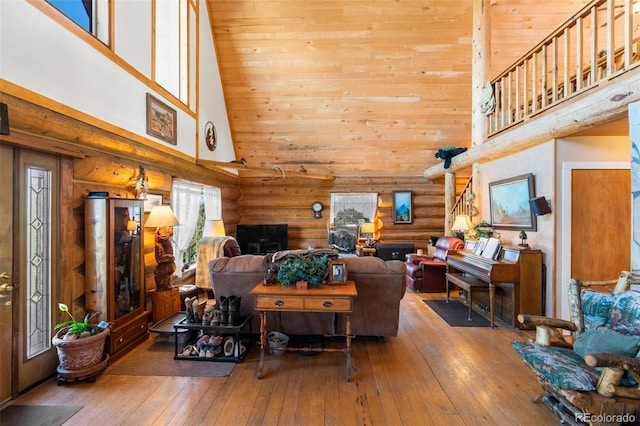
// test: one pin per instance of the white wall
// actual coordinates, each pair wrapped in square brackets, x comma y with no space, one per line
[595,152]
[540,161]
[39,54]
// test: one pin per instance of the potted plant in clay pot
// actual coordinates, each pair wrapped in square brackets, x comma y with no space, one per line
[80,347]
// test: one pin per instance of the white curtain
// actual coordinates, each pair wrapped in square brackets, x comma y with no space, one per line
[212,205]
[185,202]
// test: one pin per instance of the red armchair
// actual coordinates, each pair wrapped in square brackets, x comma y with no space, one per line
[426,273]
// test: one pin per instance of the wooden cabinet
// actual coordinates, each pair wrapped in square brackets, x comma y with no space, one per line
[114,269]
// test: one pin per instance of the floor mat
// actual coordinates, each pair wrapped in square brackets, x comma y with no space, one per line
[156,359]
[456,314]
[36,415]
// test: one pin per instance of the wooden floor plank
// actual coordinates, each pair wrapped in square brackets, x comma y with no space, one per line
[430,374]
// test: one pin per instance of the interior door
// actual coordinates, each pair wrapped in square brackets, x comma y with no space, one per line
[35,256]
[6,262]
[600,223]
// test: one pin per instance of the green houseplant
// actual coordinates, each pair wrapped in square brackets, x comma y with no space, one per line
[312,269]
[80,347]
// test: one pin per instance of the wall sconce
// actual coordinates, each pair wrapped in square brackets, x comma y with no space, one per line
[162,218]
[540,206]
[461,225]
[317,209]
[214,228]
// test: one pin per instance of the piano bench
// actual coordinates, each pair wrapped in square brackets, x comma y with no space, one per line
[469,283]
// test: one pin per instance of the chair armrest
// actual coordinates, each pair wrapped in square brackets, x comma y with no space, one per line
[547,329]
[546,321]
[609,384]
[417,258]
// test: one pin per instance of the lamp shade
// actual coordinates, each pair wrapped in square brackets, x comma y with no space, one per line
[213,228]
[161,216]
[462,223]
[368,228]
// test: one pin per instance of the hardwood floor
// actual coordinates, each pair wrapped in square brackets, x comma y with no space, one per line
[431,374]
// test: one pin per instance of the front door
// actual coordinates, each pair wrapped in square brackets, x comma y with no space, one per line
[29,249]
[6,262]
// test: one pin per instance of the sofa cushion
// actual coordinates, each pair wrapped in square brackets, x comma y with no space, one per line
[561,367]
[602,339]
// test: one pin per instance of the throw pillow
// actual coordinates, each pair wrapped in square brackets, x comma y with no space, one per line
[602,339]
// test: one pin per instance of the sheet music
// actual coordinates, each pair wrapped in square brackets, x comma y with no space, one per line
[491,248]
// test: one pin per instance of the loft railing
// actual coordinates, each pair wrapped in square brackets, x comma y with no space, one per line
[598,43]
[464,202]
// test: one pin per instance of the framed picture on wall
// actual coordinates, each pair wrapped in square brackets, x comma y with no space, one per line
[402,208]
[151,201]
[161,120]
[509,203]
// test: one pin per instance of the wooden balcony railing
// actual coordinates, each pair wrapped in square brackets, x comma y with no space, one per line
[598,43]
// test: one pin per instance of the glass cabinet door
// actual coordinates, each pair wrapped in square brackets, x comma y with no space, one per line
[127,263]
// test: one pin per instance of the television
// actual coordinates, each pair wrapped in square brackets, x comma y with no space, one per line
[393,251]
[262,239]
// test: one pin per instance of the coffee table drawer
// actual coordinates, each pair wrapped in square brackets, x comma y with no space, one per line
[328,304]
[275,302]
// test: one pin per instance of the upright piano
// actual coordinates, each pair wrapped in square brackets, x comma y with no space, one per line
[515,278]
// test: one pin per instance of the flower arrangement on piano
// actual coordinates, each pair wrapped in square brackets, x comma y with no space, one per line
[482,229]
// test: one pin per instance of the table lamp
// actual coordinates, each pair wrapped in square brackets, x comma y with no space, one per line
[162,218]
[461,225]
[214,228]
[368,230]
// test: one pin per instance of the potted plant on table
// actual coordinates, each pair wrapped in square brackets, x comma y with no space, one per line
[80,346]
[311,269]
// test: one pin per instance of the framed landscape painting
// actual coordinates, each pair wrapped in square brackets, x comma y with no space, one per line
[402,209]
[509,203]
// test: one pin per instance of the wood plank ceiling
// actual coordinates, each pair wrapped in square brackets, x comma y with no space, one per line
[359,87]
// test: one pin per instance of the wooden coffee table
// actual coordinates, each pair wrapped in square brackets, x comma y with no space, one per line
[324,298]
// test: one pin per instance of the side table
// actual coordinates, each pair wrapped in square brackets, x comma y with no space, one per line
[324,298]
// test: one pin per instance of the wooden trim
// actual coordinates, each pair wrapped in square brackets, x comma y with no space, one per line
[38,143]
[276,170]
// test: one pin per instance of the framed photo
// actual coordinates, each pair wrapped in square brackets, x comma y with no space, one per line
[337,272]
[509,203]
[151,201]
[161,120]
[402,209]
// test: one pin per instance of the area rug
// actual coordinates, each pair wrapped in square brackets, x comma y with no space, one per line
[156,359]
[36,415]
[456,314]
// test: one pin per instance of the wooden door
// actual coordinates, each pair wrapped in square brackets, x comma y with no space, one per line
[600,223]
[6,262]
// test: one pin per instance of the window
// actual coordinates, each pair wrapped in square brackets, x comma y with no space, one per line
[92,15]
[193,204]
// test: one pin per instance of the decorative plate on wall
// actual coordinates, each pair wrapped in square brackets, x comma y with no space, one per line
[210,136]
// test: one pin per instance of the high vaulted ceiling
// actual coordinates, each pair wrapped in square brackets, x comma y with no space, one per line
[360,87]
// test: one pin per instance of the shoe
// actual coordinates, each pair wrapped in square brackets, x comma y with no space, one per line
[234,310]
[224,309]
[229,346]
[209,353]
[186,351]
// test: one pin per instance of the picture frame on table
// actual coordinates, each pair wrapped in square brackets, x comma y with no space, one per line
[337,272]
[161,120]
[402,207]
[509,203]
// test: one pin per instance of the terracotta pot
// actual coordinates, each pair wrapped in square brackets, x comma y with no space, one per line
[80,354]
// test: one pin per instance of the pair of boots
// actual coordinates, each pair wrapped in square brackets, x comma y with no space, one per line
[194,309]
[230,310]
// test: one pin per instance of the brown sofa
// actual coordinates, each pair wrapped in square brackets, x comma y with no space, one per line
[380,284]
[426,273]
